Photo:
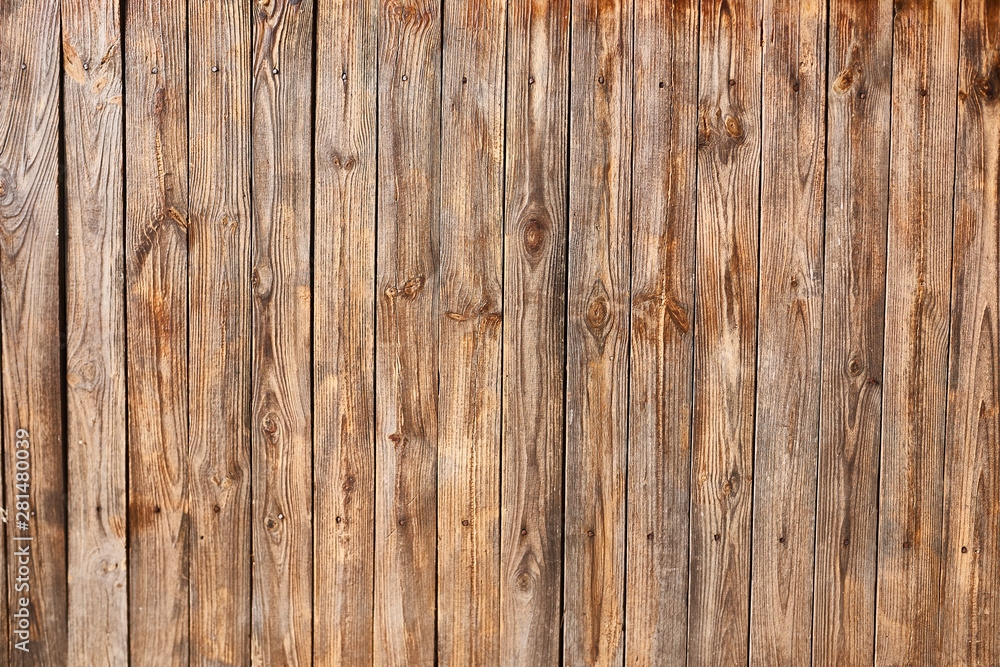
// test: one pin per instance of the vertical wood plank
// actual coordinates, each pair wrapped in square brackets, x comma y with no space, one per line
[534,330]
[725,331]
[918,264]
[858,101]
[472,162]
[663,255]
[343,326]
[219,354]
[970,592]
[95,336]
[156,170]
[32,373]
[282,314]
[597,330]
[789,327]
[406,350]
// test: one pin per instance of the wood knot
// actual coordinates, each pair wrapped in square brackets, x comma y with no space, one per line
[734,127]
[413,286]
[855,366]
[597,314]
[269,425]
[398,440]
[843,81]
[533,237]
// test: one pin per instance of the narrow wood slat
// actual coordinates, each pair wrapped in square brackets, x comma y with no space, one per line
[789,328]
[725,331]
[662,344]
[406,349]
[597,330]
[472,162]
[918,266]
[219,79]
[343,332]
[32,370]
[282,337]
[858,100]
[156,220]
[970,594]
[95,334]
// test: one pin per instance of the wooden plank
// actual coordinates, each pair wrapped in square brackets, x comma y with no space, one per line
[282,336]
[534,331]
[219,354]
[725,331]
[343,332]
[789,328]
[663,256]
[918,267]
[406,350]
[597,331]
[95,333]
[470,330]
[970,594]
[32,370]
[156,283]
[858,100]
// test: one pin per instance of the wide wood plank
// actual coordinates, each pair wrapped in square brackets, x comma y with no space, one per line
[470,325]
[725,331]
[282,335]
[406,349]
[95,335]
[30,311]
[789,327]
[597,332]
[918,282]
[970,594]
[219,353]
[662,346]
[857,169]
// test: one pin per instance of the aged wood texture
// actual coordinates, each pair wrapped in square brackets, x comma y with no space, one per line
[470,325]
[32,368]
[406,348]
[343,332]
[219,331]
[662,332]
[789,328]
[531,541]
[725,331]
[597,332]
[281,419]
[95,334]
[970,593]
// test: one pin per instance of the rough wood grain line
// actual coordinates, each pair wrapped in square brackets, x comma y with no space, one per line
[343,332]
[790,320]
[663,253]
[219,355]
[970,595]
[918,264]
[597,330]
[156,283]
[534,331]
[282,314]
[29,266]
[725,331]
[470,326]
[857,164]
[406,349]
[95,335]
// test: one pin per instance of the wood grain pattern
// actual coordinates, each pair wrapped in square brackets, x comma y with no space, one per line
[344,332]
[970,588]
[470,330]
[789,329]
[664,138]
[725,331]
[857,168]
[219,78]
[95,333]
[531,539]
[30,305]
